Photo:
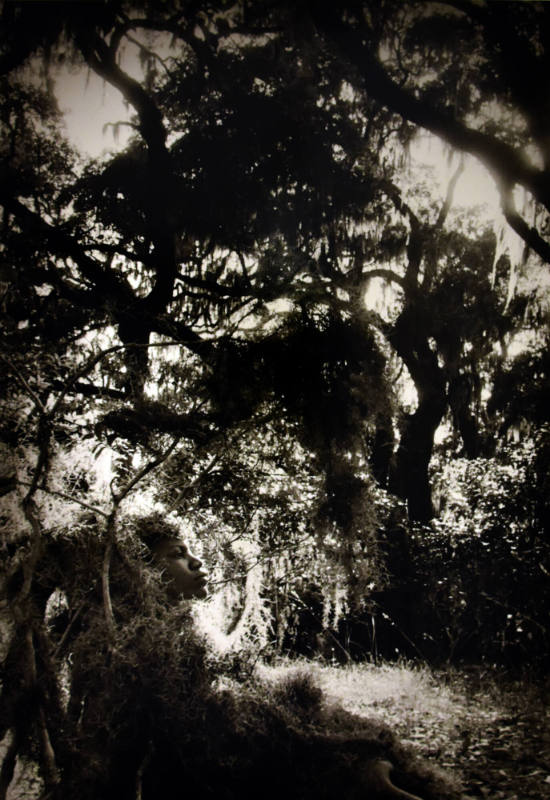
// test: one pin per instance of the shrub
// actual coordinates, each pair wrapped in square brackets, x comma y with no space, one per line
[482,569]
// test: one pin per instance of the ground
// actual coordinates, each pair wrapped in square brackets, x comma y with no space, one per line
[489,730]
[494,732]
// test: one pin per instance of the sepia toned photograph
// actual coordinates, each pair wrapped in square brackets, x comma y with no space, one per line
[274,399]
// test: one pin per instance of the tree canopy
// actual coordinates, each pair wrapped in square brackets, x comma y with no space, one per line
[257,314]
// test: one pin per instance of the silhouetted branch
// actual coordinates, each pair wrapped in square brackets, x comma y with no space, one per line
[65,496]
[446,207]
[23,381]
[530,235]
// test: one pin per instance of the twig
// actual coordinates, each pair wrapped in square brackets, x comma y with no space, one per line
[68,629]
[34,397]
[149,52]
[446,207]
[149,467]
[105,573]
[66,497]
[211,464]
[51,773]
[111,533]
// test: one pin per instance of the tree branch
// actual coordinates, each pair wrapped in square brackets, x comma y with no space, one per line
[394,193]
[111,532]
[51,773]
[65,496]
[530,235]
[415,245]
[102,60]
[196,481]
[446,207]
[213,286]
[74,379]
[8,764]
[149,467]
[22,380]
[151,126]
[105,573]
[63,245]
[91,390]
[502,160]
[388,274]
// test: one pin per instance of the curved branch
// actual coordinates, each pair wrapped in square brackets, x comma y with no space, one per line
[100,58]
[446,207]
[519,60]
[415,245]
[151,126]
[502,160]
[388,274]
[530,235]
[149,467]
[394,193]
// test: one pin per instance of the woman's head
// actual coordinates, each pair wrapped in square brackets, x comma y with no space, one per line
[182,570]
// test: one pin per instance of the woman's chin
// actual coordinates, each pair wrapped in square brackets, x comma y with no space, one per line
[197,592]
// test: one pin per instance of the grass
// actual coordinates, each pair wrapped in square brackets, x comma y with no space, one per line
[491,731]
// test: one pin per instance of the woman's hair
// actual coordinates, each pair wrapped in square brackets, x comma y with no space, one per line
[153,529]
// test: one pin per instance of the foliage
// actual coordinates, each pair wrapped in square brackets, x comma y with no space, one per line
[482,568]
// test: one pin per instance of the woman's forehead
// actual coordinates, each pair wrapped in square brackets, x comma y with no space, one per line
[166,546]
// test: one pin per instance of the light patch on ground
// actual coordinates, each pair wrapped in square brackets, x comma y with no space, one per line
[489,732]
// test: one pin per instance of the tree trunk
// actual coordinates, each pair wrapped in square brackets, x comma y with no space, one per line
[464,421]
[410,479]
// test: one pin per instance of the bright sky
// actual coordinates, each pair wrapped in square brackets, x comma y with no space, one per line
[475,185]
[89,103]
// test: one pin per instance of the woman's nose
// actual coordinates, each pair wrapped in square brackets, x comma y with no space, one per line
[194,563]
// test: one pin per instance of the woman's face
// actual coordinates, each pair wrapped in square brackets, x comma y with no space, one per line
[181,568]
